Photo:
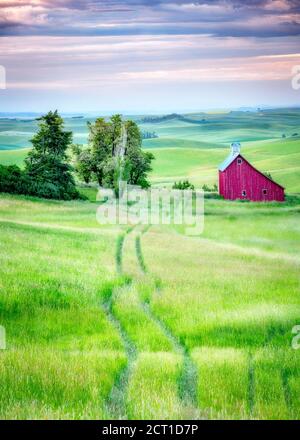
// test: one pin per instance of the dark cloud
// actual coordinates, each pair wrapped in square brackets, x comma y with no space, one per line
[263,18]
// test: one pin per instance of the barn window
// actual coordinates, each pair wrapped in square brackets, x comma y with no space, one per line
[244,193]
[265,192]
[239,161]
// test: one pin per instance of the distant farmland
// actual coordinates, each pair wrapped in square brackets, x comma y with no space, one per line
[192,146]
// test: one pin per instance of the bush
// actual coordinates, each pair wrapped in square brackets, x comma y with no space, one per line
[15,181]
[213,195]
[292,199]
[183,185]
[206,188]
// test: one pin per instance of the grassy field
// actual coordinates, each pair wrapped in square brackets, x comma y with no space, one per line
[13,157]
[110,322]
[105,322]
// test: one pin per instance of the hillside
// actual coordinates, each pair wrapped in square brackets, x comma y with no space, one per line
[192,146]
[111,323]
[146,322]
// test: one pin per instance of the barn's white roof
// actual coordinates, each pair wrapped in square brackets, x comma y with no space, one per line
[232,156]
[235,151]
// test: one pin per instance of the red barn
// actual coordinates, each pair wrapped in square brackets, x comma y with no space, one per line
[238,179]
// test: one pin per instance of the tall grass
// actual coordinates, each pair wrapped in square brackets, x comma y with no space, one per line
[228,300]
[152,391]
[63,353]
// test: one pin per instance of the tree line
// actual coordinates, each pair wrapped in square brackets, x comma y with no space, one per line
[53,160]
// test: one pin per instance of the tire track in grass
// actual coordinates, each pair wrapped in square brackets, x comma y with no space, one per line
[188,381]
[286,389]
[138,250]
[251,385]
[119,249]
[116,402]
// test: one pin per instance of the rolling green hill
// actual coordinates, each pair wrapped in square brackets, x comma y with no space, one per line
[109,322]
[281,158]
[192,146]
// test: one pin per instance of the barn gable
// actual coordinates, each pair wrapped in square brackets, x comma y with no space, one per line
[235,152]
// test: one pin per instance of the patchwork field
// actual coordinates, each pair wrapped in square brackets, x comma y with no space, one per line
[105,322]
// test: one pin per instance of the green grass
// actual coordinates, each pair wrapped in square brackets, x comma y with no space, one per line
[63,352]
[274,371]
[204,332]
[152,392]
[174,142]
[140,328]
[221,305]
[13,157]
[39,383]
[223,387]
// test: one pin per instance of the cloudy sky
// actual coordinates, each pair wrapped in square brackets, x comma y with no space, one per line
[148,55]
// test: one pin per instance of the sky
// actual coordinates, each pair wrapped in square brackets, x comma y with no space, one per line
[139,56]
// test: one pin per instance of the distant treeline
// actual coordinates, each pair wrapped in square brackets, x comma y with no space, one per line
[170,117]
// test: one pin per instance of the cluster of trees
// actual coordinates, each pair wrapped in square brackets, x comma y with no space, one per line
[170,117]
[158,119]
[114,152]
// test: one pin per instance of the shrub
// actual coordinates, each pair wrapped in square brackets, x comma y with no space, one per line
[183,185]
[206,188]
[13,180]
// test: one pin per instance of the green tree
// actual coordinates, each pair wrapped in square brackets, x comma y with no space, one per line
[83,163]
[138,161]
[114,153]
[46,166]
